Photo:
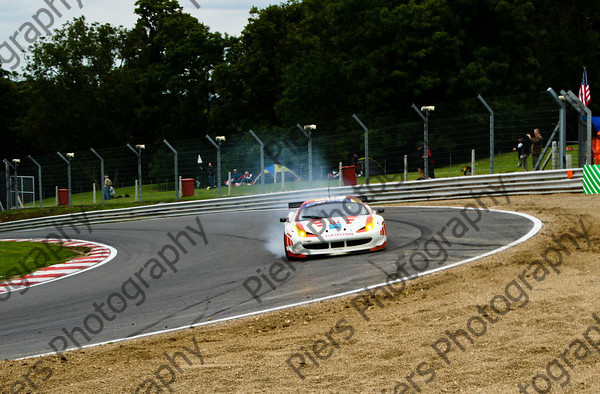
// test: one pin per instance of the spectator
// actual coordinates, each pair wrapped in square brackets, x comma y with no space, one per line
[235,176]
[596,148]
[107,187]
[420,163]
[522,153]
[356,163]
[245,178]
[211,176]
[536,146]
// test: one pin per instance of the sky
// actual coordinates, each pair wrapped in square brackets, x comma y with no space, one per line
[22,21]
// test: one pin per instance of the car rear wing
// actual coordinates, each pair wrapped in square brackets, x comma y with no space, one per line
[365,199]
[298,204]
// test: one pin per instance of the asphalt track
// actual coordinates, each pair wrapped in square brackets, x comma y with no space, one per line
[208,284]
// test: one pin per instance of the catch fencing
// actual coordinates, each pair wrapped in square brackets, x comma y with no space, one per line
[459,137]
[492,186]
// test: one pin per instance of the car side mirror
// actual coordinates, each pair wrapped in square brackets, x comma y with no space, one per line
[283,220]
[380,210]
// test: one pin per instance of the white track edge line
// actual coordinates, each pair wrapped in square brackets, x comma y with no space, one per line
[537,225]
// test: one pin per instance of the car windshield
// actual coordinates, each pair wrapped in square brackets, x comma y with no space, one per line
[332,209]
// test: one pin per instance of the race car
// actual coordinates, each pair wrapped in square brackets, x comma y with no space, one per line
[333,226]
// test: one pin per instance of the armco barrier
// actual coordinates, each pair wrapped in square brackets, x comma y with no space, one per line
[535,182]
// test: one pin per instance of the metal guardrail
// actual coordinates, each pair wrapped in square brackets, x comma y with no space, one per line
[535,182]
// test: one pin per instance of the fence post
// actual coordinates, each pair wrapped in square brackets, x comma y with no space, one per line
[262,161]
[586,155]
[18,201]
[405,168]
[101,175]
[562,116]
[426,109]
[138,152]
[218,146]
[554,155]
[229,183]
[472,161]
[307,130]
[176,165]
[569,161]
[8,199]
[491,132]
[69,156]
[366,148]
[39,179]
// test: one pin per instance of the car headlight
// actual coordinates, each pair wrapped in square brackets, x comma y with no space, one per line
[370,224]
[300,230]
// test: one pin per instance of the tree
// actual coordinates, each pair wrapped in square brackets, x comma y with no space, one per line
[250,81]
[174,62]
[567,38]
[76,90]
[11,145]
[309,61]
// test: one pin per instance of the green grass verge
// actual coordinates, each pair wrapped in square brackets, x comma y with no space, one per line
[22,258]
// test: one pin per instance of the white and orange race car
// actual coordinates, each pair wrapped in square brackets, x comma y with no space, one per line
[332,226]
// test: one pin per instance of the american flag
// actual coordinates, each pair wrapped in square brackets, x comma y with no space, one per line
[584,90]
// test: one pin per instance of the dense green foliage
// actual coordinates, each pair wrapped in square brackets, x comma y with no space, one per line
[302,61]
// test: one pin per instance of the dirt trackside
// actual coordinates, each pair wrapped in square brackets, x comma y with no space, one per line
[529,315]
